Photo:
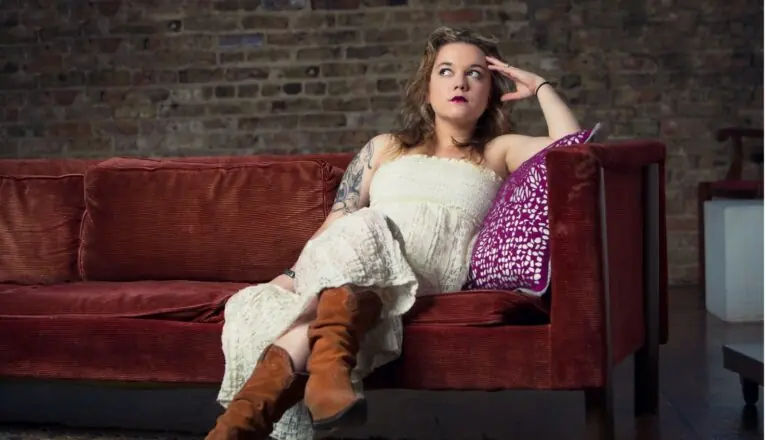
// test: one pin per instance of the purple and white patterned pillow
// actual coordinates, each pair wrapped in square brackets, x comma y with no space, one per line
[512,250]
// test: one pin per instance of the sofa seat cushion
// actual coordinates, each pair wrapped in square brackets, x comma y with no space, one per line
[110,349]
[478,308]
[187,301]
[438,357]
[8,286]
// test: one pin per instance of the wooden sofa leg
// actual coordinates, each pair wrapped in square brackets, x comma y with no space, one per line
[647,381]
[599,413]
[647,358]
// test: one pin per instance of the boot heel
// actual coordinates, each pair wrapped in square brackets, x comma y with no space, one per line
[352,417]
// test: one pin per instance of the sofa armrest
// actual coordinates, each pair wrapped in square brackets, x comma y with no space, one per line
[608,253]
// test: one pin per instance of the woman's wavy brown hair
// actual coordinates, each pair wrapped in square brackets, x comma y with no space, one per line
[417,119]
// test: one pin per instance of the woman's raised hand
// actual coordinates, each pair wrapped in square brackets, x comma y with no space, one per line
[526,83]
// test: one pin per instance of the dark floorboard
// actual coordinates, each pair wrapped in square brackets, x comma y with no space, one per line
[699,401]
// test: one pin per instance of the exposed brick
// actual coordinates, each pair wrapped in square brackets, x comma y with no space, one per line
[319,54]
[282,122]
[226,5]
[154,77]
[335,4]
[42,63]
[312,21]
[170,126]
[249,5]
[382,3]
[236,74]
[108,8]
[201,75]
[262,21]
[387,85]
[381,103]
[63,79]
[214,124]
[343,69]
[269,54]
[90,147]
[70,129]
[245,76]
[239,41]
[192,93]
[315,88]
[386,36]
[225,92]
[208,23]
[284,5]
[270,90]
[181,42]
[322,120]
[116,128]
[12,98]
[364,52]
[363,20]
[175,110]
[248,90]
[349,140]
[108,78]
[298,72]
[345,104]
[461,16]
[10,115]
[292,88]
[353,87]
[295,105]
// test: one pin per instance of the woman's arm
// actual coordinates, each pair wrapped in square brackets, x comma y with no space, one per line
[560,122]
[559,118]
[353,191]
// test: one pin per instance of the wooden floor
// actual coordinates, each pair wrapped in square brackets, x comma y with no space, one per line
[699,399]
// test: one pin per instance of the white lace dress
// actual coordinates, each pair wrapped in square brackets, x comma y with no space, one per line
[415,239]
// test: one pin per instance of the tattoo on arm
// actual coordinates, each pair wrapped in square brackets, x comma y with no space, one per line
[348,196]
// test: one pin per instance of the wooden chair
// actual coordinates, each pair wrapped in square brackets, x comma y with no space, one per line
[733,186]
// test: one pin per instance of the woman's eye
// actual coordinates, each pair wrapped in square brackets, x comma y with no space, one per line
[444,71]
[475,74]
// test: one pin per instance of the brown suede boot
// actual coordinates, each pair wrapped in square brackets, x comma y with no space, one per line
[342,319]
[272,389]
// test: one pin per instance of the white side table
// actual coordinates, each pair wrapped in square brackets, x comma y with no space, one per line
[734,259]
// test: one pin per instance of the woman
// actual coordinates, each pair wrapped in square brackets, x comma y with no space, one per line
[404,220]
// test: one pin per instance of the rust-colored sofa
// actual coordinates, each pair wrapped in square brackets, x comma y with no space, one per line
[119,269]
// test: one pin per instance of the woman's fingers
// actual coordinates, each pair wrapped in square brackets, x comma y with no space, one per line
[513,96]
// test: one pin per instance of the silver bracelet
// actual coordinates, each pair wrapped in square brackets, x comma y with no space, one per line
[290,273]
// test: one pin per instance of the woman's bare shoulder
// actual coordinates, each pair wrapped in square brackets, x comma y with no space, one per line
[385,147]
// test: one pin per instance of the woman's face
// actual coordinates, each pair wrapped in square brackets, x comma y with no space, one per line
[460,84]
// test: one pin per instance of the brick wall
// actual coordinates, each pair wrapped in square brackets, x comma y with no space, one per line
[172,77]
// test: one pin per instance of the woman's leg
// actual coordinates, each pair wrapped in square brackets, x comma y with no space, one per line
[276,384]
[295,340]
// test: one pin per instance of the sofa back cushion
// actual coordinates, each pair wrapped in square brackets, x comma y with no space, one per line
[41,208]
[227,220]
